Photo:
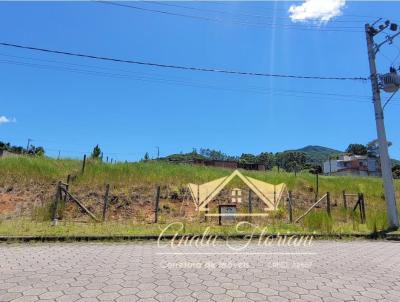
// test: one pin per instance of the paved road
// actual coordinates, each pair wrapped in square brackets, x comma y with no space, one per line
[325,271]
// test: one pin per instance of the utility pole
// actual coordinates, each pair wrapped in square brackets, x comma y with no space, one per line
[158,152]
[27,146]
[330,166]
[386,166]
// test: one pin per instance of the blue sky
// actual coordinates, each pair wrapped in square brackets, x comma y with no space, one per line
[71,104]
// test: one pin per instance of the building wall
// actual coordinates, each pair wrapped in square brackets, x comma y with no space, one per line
[355,166]
[4,153]
[333,167]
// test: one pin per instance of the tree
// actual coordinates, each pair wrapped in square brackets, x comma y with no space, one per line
[37,151]
[357,149]
[4,146]
[215,154]
[248,159]
[373,148]
[267,159]
[396,171]
[96,152]
[291,160]
[316,169]
[146,156]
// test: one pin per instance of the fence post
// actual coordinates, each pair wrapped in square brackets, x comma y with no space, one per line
[56,202]
[328,204]
[290,207]
[317,186]
[105,205]
[67,187]
[344,199]
[362,207]
[83,163]
[157,205]
[250,201]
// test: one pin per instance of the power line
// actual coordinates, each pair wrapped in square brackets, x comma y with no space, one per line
[234,14]
[257,90]
[159,79]
[270,25]
[296,94]
[187,68]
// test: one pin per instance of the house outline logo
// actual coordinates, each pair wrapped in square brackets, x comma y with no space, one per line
[269,194]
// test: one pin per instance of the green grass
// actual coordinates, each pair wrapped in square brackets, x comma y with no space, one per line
[24,171]
[25,227]
[42,169]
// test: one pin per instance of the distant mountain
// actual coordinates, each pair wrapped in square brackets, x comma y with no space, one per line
[318,154]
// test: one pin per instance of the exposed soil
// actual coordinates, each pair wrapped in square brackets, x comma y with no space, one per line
[136,204]
[18,201]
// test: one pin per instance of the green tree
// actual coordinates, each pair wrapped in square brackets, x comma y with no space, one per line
[146,156]
[267,159]
[291,160]
[357,149]
[248,159]
[396,171]
[215,154]
[96,152]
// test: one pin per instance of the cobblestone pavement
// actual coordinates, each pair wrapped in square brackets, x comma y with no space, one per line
[325,271]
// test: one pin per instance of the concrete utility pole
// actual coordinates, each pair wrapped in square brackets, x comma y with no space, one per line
[27,146]
[386,166]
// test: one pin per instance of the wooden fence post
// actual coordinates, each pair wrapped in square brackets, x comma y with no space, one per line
[67,187]
[290,207]
[344,199]
[250,201]
[56,202]
[328,204]
[83,163]
[105,205]
[219,216]
[157,204]
[362,207]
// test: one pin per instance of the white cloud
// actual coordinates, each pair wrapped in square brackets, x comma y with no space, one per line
[6,120]
[316,10]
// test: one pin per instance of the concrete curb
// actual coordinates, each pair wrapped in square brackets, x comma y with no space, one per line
[94,238]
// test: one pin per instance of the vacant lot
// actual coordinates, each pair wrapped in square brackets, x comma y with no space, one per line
[28,184]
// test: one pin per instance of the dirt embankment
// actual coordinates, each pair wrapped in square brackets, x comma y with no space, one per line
[136,204]
[16,200]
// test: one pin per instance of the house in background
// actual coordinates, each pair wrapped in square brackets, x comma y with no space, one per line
[5,153]
[354,165]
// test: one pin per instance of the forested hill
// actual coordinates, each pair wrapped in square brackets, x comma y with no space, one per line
[318,154]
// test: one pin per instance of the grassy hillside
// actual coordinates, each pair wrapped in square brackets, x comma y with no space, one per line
[317,154]
[31,181]
[26,170]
